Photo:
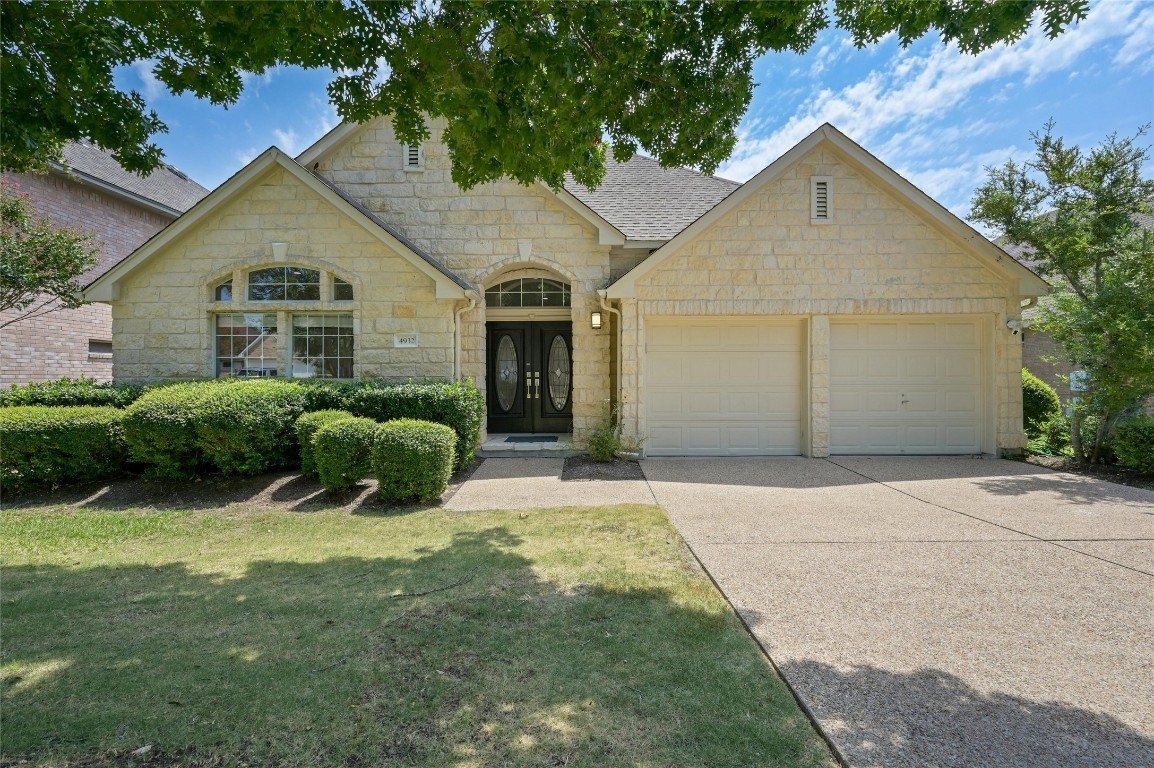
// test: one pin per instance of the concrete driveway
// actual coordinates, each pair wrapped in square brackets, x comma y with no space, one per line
[938,612]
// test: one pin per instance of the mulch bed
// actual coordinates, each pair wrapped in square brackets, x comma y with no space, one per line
[584,468]
[1109,472]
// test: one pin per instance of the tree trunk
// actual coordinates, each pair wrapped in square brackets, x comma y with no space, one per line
[1100,436]
[1076,435]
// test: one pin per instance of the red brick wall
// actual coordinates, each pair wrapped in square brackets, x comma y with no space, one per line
[56,344]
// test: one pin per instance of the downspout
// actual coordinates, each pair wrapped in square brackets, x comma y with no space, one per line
[457,337]
[601,294]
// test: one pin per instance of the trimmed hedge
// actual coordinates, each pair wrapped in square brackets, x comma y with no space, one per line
[306,428]
[1134,443]
[413,459]
[458,405]
[71,392]
[160,428]
[344,451]
[44,446]
[246,427]
[1040,404]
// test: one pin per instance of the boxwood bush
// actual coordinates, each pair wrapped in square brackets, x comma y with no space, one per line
[306,428]
[160,428]
[413,459]
[1134,443]
[44,446]
[458,405]
[246,427]
[344,451]
[1040,404]
[66,391]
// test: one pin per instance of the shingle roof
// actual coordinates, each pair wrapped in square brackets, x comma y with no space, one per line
[167,185]
[648,202]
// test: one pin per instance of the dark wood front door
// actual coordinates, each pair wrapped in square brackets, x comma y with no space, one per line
[530,373]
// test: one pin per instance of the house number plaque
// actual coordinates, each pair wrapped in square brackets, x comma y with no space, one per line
[406,340]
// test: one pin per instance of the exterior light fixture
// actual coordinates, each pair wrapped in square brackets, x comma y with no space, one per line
[595,321]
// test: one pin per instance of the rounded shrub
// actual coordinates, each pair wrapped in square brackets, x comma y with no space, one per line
[1040,404]
[247,427]
[1134,443]
[344,452]
[44,446]
[160,428]
[306,428]
[459,405]
[413,459]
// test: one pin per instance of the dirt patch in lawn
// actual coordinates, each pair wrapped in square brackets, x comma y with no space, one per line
[1111,473]
[585,468]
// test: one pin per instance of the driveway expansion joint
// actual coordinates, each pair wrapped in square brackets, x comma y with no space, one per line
[1053,542]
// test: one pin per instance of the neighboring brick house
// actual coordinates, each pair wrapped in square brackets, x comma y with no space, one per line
[825,306]
[122,210]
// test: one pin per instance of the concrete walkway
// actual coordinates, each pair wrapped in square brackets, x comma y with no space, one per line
[939,612]
[537,483]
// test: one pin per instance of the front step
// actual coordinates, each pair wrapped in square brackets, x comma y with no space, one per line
[499,447]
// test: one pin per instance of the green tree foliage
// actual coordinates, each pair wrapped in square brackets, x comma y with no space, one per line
[1040,404]
[1075,213]
[39,262]
[528,89]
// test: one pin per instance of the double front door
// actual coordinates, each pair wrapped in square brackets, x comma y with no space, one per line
[530,374]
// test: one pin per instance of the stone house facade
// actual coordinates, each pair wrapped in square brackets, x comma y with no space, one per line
[825,306]
[122,210]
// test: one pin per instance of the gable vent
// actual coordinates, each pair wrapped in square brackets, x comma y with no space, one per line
[820,203]
[413,157]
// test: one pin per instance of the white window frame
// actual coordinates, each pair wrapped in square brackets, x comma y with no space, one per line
[815,183]
[284,334]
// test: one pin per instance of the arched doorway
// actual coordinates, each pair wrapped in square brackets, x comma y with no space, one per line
[529,353]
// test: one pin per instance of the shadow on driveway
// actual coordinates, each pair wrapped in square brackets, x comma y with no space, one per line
[930,717]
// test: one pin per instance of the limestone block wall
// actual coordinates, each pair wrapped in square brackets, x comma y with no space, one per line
[163,321]
[55,345]
[876,257]
[484,235]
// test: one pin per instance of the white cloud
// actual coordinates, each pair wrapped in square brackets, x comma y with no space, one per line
[246,156]
[289,141]
[916,94]
[151,88]
[1138,51]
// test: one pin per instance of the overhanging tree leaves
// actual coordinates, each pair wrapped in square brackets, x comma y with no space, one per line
[528,89]
[39,262]
[1076,213]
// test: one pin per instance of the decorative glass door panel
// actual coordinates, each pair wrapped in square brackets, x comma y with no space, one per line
[530,374]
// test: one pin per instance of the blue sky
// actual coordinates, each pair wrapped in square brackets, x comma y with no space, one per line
[935,115]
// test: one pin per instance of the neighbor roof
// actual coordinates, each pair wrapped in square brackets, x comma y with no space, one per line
[167,186]
[648,202]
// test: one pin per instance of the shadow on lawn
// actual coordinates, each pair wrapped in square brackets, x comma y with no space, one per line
[339,662]
[286,489]
[930,717]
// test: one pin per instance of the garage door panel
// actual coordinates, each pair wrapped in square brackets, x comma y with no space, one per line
[908,386]
[961,402]
[961,437]
[723,387]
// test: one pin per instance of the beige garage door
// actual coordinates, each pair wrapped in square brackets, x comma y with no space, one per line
[723,386]
[906,386]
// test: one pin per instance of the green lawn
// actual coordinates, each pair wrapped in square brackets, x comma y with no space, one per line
[266,632]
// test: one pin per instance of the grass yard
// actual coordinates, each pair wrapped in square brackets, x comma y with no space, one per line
[270,626]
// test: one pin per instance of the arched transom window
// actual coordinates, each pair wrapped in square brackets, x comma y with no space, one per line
[529,292]
[291,340]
